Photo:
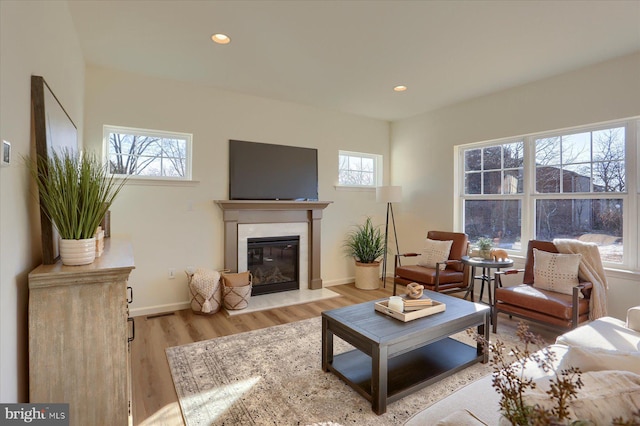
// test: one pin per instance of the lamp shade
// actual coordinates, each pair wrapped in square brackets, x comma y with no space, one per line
[389,194]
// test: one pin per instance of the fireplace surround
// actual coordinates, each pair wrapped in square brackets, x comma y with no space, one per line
[240,215]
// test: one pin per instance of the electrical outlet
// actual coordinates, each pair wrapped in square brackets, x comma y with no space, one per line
[172,273]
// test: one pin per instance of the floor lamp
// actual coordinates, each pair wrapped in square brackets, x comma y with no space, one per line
[389,195]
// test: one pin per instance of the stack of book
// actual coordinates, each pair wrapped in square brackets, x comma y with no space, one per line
[415,304]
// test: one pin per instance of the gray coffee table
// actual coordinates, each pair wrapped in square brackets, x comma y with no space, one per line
[392,358]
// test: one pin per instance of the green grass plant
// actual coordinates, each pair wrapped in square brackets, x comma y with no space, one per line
[365,243]
[75,191]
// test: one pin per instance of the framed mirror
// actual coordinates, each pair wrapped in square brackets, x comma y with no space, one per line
[52,129]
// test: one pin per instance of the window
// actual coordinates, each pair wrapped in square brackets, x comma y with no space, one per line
[494,169]
[587,162]
[493,172]
[359,169]
[581,162]
[571,184]
[148,154]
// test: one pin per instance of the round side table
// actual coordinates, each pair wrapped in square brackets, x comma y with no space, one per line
[487,265]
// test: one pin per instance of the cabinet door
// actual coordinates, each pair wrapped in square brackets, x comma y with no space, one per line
[78,350]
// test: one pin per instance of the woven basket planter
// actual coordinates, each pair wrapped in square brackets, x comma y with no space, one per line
[367,275]
[236,290]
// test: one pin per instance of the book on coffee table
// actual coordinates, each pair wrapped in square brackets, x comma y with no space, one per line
[415,304]
[409,315]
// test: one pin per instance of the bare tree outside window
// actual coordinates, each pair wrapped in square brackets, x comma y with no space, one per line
[498,220]
[126,153]
[357,169]
[608,160]
[580,184]
[583,163]
[147,154]
[495,169]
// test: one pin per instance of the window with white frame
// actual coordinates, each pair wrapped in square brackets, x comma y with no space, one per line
[567,184]
[154,154]
[493,187]
[359,169]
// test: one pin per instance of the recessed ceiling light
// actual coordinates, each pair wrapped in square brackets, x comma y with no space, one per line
[400,88]
[220,38]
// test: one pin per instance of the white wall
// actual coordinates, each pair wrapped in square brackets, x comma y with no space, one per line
[36,37]
[422,147]
[165,234]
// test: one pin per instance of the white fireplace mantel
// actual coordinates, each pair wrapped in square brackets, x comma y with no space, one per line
[236,212]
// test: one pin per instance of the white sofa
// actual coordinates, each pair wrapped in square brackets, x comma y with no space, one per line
[606,350]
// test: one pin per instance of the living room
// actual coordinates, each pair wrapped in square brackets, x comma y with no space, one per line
[175,226]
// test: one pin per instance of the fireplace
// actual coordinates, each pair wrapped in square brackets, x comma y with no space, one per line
[244,219]
[273,262]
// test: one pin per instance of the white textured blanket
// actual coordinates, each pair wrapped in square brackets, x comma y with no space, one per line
[590,270]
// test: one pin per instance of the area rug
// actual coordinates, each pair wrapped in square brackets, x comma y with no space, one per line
[273,377]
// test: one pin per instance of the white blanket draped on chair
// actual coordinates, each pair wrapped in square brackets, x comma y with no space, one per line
[590,270]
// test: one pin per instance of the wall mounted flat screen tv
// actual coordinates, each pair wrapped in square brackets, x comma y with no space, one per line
[261,171]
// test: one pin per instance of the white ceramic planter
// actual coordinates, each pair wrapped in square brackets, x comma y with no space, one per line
[368,275]
[77,252]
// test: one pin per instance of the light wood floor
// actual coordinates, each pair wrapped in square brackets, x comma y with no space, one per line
[154,397]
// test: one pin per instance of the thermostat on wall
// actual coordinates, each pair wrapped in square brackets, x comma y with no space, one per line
[6,153]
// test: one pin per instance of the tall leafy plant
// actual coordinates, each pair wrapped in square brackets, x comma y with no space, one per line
[75,191]
[365,243]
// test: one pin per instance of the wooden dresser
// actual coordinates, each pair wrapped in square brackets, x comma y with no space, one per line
[78,337]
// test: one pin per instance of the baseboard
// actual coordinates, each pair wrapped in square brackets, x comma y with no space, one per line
[349,280]
[159,309]
[327,283]
[170,307]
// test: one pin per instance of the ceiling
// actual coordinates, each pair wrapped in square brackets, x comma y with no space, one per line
[348,55]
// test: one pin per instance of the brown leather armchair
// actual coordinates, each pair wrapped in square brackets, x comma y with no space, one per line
[454,278]
[544,306]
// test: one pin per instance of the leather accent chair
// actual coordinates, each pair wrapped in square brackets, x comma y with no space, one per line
[559,310]
[455,276]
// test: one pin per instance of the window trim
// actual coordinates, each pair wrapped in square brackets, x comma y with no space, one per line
[630,197]
[108,128]
[377,170]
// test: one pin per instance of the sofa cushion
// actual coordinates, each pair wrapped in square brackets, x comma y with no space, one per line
[603,396]
[605,333]
[427,276]
[555,271]
[477,397]
[531,298]
[461,418]
[597,359]
[435,251]
[633,318]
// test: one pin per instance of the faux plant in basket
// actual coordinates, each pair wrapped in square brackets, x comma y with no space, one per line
[365,244]
[75,191]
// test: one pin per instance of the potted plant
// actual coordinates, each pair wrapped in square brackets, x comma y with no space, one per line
[365,244]
[484,247]
[75,192]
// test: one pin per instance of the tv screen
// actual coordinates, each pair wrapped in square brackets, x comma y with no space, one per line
[261,171]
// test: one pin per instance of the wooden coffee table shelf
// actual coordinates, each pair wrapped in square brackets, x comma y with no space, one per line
[392,358]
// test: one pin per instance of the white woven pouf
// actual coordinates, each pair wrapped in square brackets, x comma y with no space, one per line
[206,291]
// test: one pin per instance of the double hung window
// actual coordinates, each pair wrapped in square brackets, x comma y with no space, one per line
[579,184]
[493,182]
